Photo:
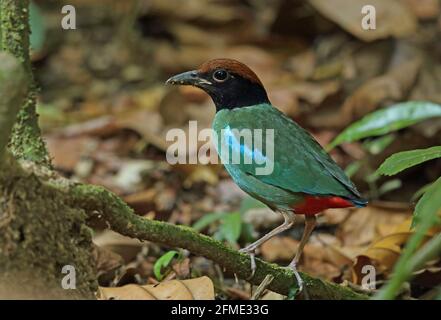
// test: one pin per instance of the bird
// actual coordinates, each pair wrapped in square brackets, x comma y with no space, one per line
[304,179]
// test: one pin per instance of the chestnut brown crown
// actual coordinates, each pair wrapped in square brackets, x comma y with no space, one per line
[233,66]
[230,83]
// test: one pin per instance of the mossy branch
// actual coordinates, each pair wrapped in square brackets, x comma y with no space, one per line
[122,219]
[13,84]
[26,141]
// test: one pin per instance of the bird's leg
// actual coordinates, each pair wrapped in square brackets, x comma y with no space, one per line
[310,222]
[289,221]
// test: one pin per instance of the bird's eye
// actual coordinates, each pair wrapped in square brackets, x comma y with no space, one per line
[220,75]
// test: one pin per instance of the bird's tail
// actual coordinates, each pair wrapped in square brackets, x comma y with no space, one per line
[359,202]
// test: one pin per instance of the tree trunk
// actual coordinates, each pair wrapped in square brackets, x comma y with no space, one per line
[43,216]
[41,231]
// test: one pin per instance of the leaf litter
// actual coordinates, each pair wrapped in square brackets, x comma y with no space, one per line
[105,113]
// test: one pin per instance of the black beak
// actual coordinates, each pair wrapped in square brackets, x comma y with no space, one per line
[191,78]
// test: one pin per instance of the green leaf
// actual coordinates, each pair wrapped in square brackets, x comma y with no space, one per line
[247,233]
[420,192]
[389,186]
[376,146]
[388,120]
[427,208]
[231,227]
[163,262]
[38,28]
[206,220]
[352,168]
[425,217]
[406,159]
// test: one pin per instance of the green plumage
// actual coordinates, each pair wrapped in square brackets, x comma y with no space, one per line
[301,167]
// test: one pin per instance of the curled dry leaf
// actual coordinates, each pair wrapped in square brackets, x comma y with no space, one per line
[391,86]
[65,156]
[397,19]
[369,223]
[384,252]
[124,246]
[106,260]
[193,289]
[199,173]
[323,256]
[424,9]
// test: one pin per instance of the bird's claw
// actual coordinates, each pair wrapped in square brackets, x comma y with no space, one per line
[293,267]
[251,253]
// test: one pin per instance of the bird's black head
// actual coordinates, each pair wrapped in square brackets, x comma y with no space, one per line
[229,83]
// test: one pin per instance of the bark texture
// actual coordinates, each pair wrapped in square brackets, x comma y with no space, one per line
[39,231]
[26,141]
[43,216]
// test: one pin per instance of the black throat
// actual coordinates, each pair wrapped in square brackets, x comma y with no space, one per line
[237,93]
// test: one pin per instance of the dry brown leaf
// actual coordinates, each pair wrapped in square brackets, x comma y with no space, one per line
[186,58]
[384,252]
[315,93]
[279,249]
[106,260]
[390,86]
[215,12]
[193,289]
[271,295]
[259,60]
[182,268]
[146,123]
[142,201]
[428,85]
[100,126]
[335,216]
[202,173]
[323,255]
[424,9]
[303,64]
[238,294]
[369,223]
[124,246]
[394,18]
[65,156]
[285,100]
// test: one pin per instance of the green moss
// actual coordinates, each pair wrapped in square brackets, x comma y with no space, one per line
[39,234]
[12,89]
[122,219]
[26,141]
[40,231]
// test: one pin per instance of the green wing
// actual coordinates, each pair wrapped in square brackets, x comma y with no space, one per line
[300,163]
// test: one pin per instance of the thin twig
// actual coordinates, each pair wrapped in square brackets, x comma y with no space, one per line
[262,287]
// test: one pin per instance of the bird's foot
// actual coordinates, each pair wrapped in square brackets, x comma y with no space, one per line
[293,267]
[251,253]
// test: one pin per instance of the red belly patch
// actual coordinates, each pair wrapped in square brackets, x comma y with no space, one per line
[313,204]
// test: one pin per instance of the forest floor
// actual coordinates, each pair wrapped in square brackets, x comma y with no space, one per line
[105,112]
